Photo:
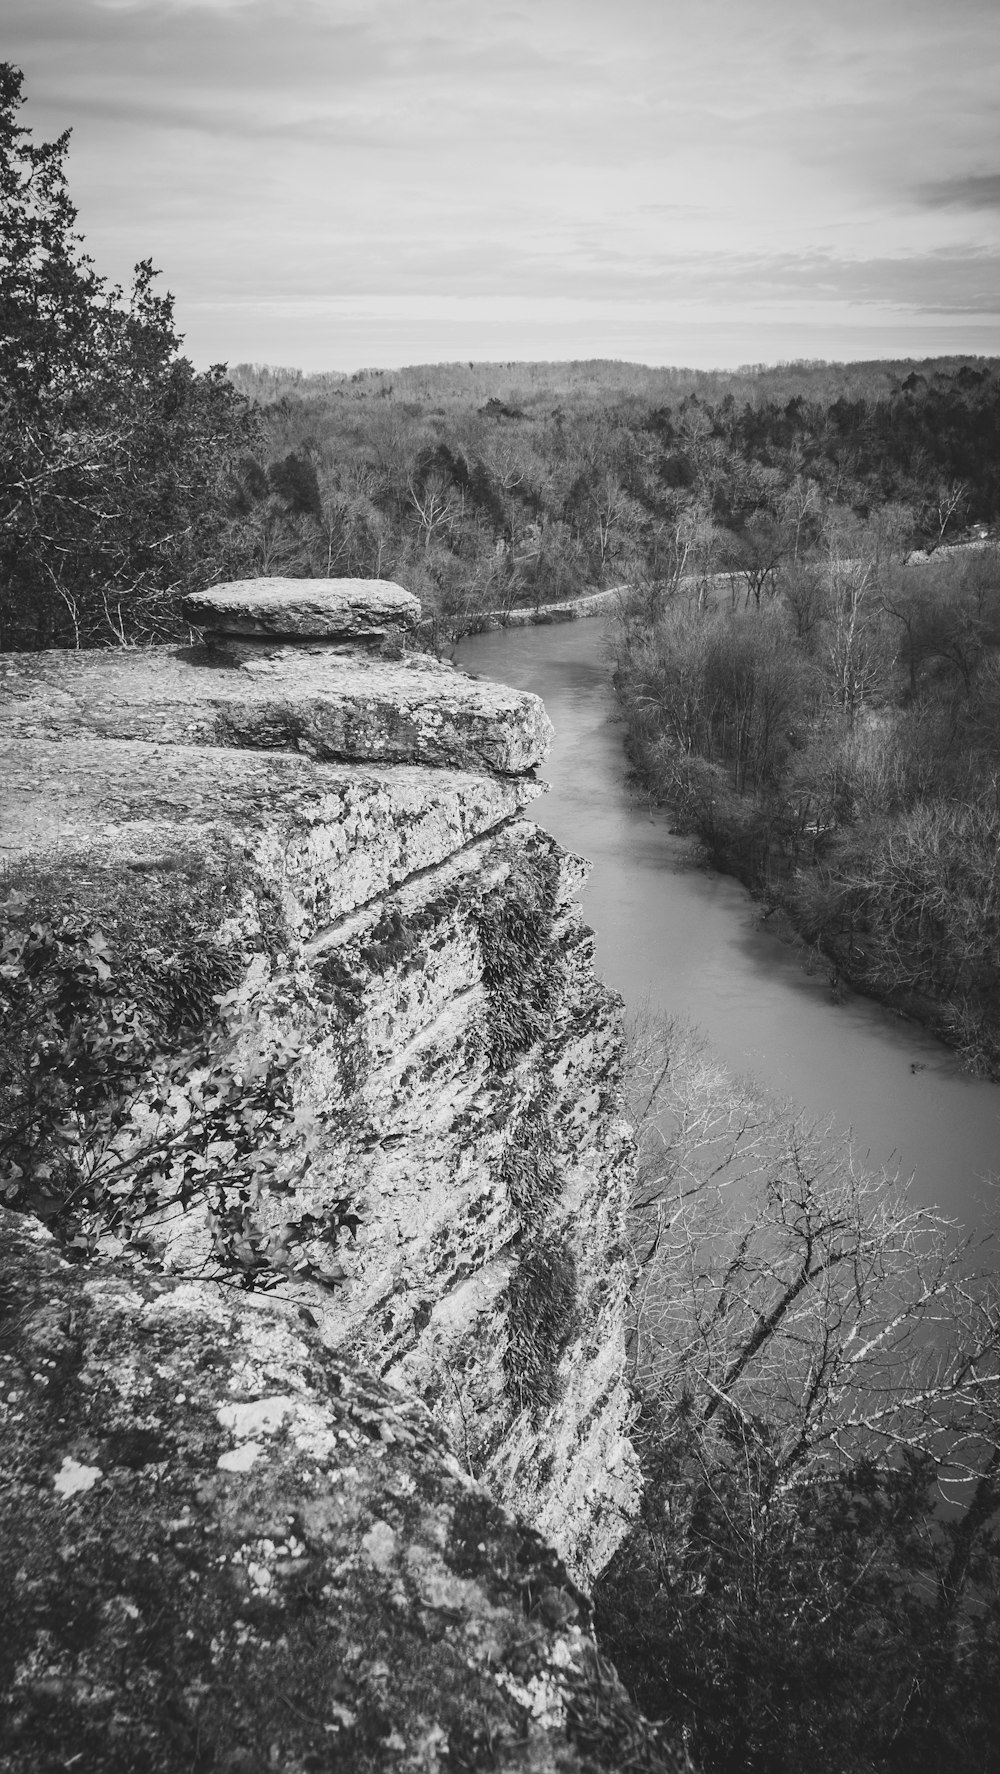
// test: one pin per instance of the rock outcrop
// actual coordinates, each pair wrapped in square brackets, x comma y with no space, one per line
[315,609]
[349,828]
[225,1547]
[309,698]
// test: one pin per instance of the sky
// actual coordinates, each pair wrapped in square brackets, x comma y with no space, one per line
[334,184]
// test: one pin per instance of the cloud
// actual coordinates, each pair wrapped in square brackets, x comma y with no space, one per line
[968,191]
[270,152]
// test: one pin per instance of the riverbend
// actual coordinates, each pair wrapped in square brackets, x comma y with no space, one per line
[677,938]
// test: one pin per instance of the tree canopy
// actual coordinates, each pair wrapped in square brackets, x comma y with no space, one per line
[117,459]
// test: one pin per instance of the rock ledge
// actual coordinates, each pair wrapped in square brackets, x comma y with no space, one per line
[304,609]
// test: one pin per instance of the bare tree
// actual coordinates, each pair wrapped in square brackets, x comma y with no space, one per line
[353,530]
[754,554]
[801,505]
[856,650]
[792,1290]
[437,504]
[504,459]
[948,502]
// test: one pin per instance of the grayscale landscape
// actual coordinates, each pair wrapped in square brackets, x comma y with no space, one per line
[499,887]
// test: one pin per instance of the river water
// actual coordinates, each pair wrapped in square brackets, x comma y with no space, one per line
[674,937]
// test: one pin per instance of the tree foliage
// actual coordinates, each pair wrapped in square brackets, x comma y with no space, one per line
[839,747]
[493,485]
[116,457]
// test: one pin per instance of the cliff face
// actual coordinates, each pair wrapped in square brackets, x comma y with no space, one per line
[224,1547]
[352,817]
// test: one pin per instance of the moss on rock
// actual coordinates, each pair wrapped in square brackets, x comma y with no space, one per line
[225,1548]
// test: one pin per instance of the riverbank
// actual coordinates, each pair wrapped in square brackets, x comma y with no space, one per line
[842,961]
[676,939]
[809,882]
[610,601]
[594,603]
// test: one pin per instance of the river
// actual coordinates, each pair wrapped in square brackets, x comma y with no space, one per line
[675,937]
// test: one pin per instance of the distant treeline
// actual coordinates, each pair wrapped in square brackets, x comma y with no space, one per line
[487,485]
[604,380]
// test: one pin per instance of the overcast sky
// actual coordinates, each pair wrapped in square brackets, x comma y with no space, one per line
[337,183]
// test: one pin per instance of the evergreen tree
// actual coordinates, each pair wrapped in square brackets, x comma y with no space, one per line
[116,457]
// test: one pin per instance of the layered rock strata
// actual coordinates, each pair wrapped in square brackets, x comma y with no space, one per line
[309,698]
[358,820]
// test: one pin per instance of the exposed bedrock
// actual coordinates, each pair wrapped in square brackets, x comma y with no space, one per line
[312,609]
[226,1546]
[326,701]
[359,822]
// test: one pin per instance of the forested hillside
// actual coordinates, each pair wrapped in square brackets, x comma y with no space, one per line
[835,739]
[493,484]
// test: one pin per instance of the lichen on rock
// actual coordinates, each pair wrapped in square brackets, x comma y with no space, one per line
[326,704]
[225,1547]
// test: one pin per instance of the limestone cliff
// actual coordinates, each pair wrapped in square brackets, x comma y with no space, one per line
[346,820]
[353,812]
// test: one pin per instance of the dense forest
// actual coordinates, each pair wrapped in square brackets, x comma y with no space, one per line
[521,483]
[834,735]
[808,657]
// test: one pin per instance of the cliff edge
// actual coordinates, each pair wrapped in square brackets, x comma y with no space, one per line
[304,849]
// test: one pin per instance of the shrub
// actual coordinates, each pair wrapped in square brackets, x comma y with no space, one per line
[520,967]
[541,1317]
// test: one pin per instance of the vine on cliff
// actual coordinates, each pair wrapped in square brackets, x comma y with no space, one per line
[541,1317]
[522,973]
[520,965]
[529,1172]
[106,1127]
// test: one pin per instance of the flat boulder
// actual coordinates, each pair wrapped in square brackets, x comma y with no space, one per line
[303,609]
